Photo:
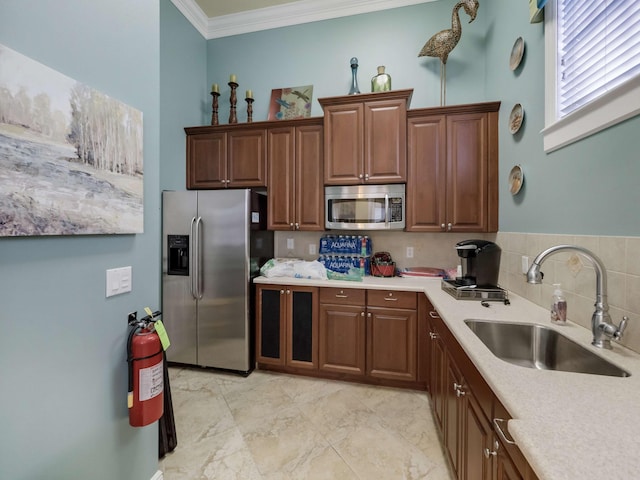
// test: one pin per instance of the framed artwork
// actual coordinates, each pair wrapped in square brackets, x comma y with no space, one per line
[290,103]
[71,158]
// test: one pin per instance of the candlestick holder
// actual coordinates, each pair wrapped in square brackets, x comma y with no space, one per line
[233,100]
[214,108]
[249,101]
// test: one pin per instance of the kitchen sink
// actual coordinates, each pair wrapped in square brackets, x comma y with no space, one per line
[540,347]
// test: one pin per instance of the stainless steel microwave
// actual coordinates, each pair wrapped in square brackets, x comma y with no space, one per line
[365,207]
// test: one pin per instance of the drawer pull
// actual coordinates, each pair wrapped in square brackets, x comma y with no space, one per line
[390,299]
[433,335]
[501,434]
[342,296]
[434,314]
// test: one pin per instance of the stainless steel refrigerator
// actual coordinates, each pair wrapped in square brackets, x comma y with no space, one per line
[213,243]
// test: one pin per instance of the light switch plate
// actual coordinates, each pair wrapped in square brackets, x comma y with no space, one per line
[409,252]
[119,280]
[525,264]
[290,244]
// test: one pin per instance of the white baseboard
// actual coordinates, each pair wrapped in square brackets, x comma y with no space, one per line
[158,475]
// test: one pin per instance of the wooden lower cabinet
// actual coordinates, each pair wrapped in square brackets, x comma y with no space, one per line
[342,331]
[370,336]
[464,408]
[392,335]
[362,334]
[286,326]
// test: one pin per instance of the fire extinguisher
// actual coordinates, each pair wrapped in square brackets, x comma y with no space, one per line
[145,397]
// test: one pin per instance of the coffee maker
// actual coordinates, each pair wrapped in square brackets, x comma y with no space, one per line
[480,261]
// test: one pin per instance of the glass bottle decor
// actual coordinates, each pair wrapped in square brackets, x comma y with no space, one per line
[381,82]
[354,77]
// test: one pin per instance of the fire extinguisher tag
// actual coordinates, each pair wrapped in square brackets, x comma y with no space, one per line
[151,382]
[162,333]
[129,399]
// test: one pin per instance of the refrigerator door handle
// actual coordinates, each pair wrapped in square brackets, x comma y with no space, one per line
[198,260]
[192,257]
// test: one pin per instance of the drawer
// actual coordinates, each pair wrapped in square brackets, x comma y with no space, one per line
[392,299]
[342,296]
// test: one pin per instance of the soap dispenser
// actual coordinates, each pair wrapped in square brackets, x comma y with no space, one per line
[559,306]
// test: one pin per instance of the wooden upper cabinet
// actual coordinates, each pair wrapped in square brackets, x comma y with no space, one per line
[453,169]
[207,160]
[226,156]
[247,155]
[365,138]
[296,194]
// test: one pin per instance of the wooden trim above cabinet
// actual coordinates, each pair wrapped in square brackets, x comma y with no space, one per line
[483,107]
[244,126]
[368,97]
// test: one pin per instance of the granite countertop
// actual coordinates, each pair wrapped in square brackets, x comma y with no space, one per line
[569,426]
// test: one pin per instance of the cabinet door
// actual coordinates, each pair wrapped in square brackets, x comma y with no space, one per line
[301,321]
[467,175]
[452,414]
[391,343]
[505,468]
[437,376]
[206,160]
[342,338]
[426,178]
[476,440]
[281,178]
[247,157]
[344,144]
[385,158]
[309,190]
[270,326]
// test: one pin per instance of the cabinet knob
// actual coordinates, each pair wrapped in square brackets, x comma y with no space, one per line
[360,176]
[459,389]
[488,453]
[362,314]
[291,226]
[369,315]
[449,226]
[366,176]
[281,292]
[297,226]
[443,226]
[288,292]
[433,335]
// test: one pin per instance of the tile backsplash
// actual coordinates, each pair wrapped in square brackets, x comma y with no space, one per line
[620,255]
[575,273]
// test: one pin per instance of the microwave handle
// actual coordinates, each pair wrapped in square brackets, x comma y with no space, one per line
[387,213]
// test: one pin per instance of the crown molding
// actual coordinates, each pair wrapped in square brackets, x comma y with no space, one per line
[303,11]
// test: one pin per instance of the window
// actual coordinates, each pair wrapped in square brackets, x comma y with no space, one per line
[592,51]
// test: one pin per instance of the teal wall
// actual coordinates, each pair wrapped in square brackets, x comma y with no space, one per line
[63,374]
[183,81]
[318,54]
[587,188]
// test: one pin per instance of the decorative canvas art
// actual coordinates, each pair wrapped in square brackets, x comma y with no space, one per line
[290,103]
[71,158]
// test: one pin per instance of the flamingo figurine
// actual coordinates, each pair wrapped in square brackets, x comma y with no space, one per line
[442,43]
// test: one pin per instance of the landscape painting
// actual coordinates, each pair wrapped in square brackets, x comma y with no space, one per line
[71,158]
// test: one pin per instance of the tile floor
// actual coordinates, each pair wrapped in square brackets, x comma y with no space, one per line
[272,426]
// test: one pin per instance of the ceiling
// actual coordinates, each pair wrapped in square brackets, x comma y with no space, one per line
[223,18]
[218,8]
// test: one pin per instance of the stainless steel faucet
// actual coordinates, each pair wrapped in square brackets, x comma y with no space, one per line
[602,328]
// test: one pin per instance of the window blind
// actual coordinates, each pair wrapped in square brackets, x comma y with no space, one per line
[598,49]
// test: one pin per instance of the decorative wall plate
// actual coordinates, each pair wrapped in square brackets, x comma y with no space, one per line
[516,179]
[516,118]
[516,53]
